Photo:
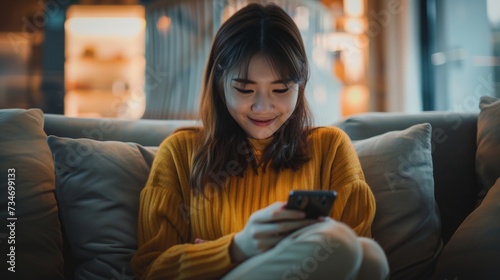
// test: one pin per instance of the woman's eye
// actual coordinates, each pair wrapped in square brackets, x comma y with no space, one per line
[281,90]
[243,90]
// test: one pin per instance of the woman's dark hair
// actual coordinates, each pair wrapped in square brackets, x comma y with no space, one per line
[224,149]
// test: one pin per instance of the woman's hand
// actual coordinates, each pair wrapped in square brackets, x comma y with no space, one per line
[199,241]
[266,228]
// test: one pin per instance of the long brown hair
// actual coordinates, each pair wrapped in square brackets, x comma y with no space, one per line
[224,150]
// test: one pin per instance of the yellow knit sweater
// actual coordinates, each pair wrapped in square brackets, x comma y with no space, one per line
[171,217]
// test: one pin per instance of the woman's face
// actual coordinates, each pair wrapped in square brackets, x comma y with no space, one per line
[262,103]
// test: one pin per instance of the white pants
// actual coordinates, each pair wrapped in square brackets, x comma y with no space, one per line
[326,250]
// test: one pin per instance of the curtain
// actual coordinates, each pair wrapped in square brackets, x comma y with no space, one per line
[178,37]
[395,80]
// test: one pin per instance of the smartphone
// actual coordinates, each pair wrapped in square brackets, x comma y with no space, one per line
[313,203]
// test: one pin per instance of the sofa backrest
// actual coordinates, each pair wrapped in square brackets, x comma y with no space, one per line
[144,132]
[454,149]
[453,139]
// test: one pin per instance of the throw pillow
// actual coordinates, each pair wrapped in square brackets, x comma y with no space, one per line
[398,168]
[488,139]
[473,252]
[97,187]
[30,236]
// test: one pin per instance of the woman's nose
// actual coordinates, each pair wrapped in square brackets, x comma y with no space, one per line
[262,103]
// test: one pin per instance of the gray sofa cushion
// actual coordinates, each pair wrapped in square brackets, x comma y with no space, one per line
[398,168]
[98,187]
[25,158]
[488,143]
[474,250]
[454,150]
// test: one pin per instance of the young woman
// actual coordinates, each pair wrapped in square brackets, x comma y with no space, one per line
[214,203]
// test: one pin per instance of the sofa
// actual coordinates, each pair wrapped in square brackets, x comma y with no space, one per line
[71,191]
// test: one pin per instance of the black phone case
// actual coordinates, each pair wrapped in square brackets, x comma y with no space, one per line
[313,203]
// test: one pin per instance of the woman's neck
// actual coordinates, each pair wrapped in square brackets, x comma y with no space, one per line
[260,144]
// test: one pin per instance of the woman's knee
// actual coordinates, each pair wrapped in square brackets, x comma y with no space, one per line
[374,261]
[337,242]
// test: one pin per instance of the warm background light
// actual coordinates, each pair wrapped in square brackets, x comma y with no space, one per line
[354,100]
[301,17]
[348,45]
[354,25]
[163,24]
[111,26]
[354,8]
[105,63]
[350,58]
[340,41]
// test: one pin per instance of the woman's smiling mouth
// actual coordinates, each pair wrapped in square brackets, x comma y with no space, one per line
[264,122]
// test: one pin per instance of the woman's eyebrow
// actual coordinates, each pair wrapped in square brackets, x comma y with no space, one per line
[247,81]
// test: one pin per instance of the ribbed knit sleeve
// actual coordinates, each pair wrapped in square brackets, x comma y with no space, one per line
[165,249]
[355,203]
